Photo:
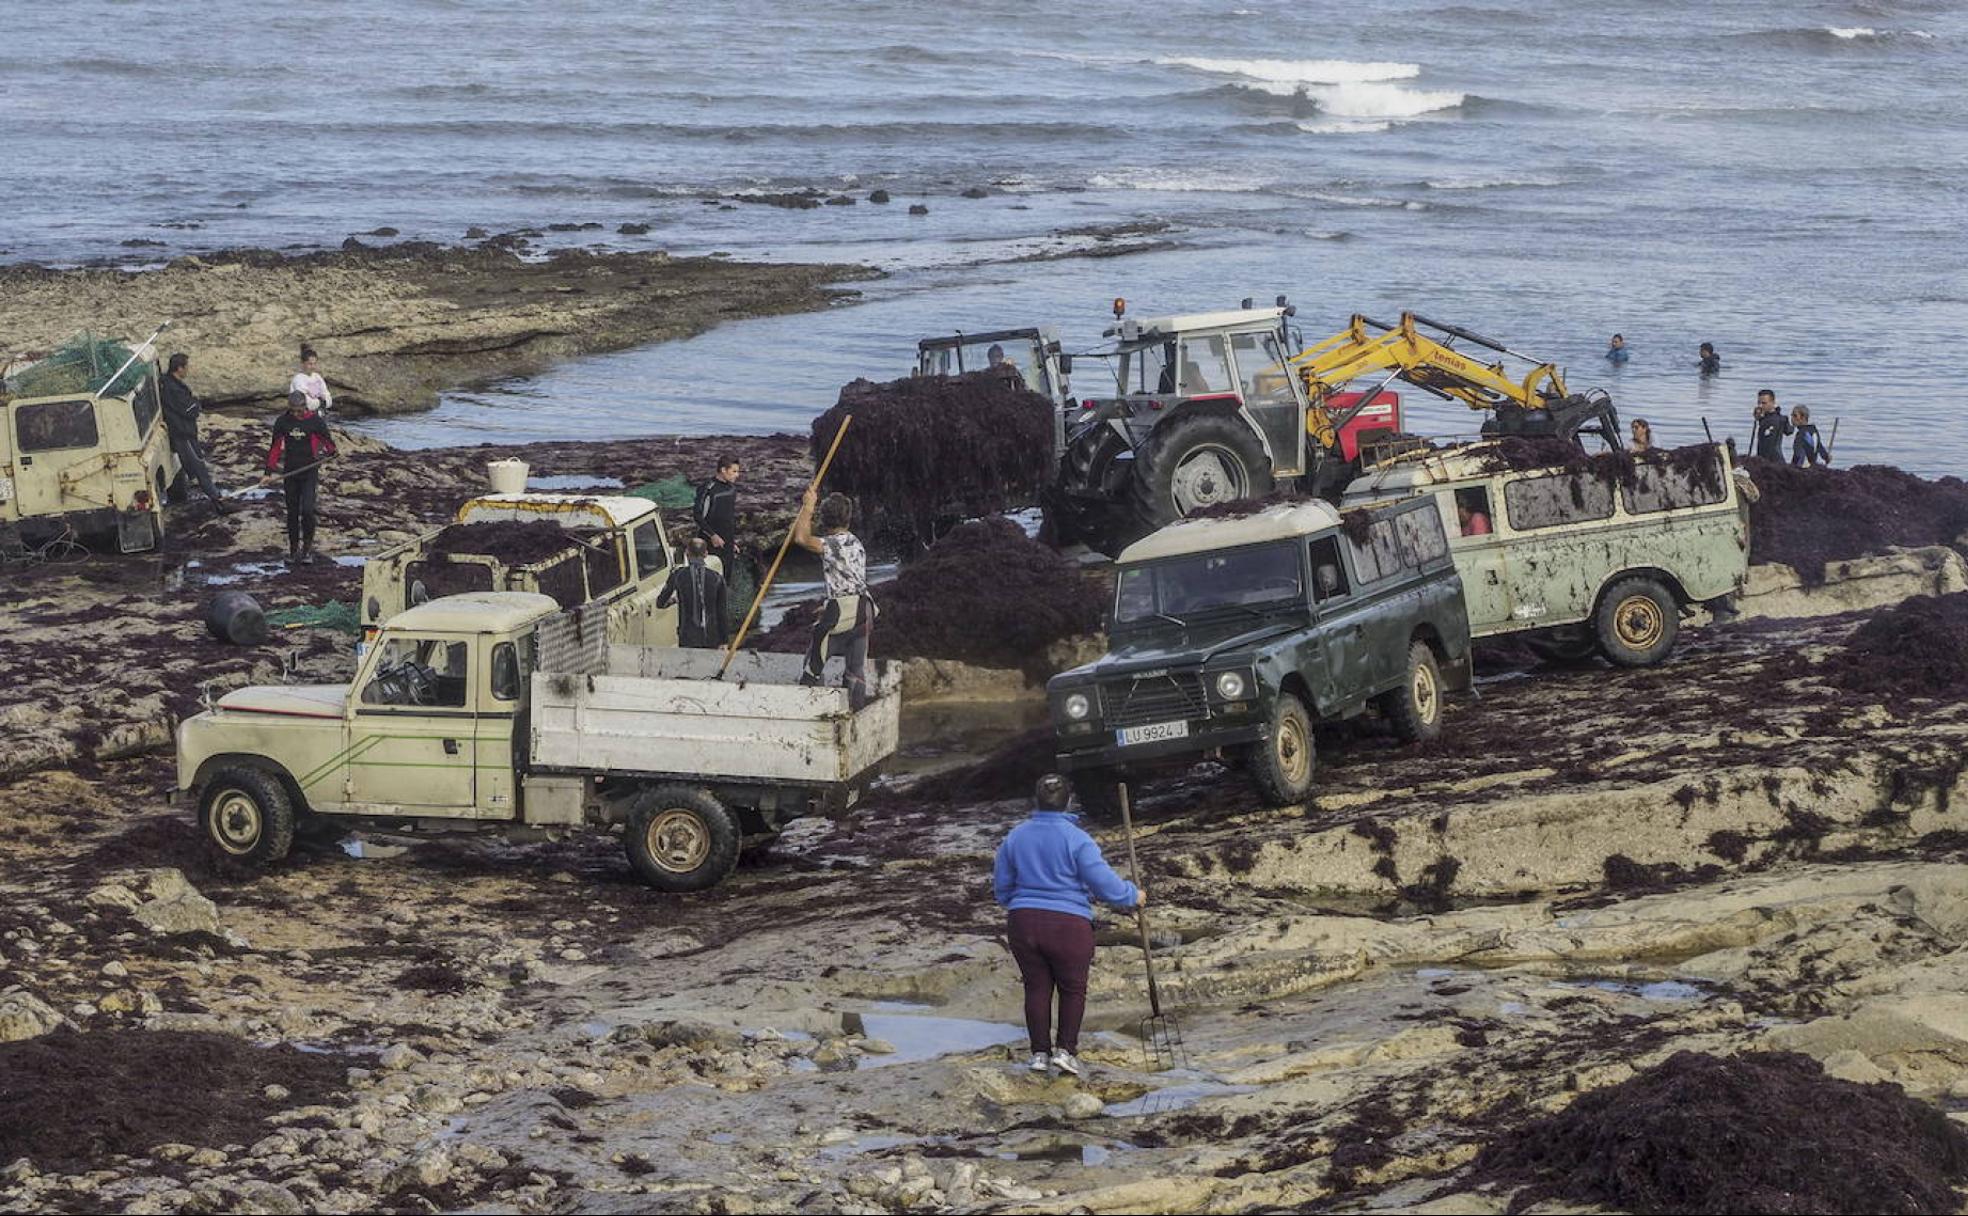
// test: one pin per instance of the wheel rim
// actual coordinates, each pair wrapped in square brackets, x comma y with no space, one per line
[1639,622]
[1208,475]
[236,822]
[1293,749]
[678,841]
[1426,702]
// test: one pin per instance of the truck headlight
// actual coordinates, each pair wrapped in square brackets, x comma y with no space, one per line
[1230,685]
[1077,706]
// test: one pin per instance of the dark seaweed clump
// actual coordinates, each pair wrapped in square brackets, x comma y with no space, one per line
[1804,518]
[69,1100]
[1009,772]
[1758,1132]
[1239,508]
[514,542]
[1915,648]
[925,447]
[985,594]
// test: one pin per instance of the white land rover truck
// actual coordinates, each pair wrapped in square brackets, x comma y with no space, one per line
[498,711]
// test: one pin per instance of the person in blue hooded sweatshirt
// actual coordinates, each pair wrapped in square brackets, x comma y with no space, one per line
[1049,872]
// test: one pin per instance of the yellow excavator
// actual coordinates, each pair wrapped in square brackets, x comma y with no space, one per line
[1212,407]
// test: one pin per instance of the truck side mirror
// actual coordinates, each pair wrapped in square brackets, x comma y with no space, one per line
[1065,365]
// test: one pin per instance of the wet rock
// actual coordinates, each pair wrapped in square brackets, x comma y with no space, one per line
[918,208]
[113,895]
[697,1035]
[24,1016]
[977,192]
[269,1198]
[115,970]
[877,1047]
[841,200]
[475,233]
[633,229]
[431,1168]
[399,1056]
[1081,1106]
[878,196]
[383,231]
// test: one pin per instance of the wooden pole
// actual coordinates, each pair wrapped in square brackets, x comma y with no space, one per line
[751,614]
[1140,912]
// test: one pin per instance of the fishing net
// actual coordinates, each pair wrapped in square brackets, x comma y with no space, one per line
[83,364]
[674,492]
[332,615]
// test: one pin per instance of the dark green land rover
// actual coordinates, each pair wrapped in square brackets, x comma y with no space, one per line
[1233,636]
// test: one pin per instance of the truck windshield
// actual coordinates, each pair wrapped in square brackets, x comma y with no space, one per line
[1182,587]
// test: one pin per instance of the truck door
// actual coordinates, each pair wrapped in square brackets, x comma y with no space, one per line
[1482,558]
[1341,633]
[503,727]
[49,436]
[413,738]
[651,550]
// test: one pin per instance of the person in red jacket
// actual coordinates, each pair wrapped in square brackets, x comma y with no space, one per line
[301,445]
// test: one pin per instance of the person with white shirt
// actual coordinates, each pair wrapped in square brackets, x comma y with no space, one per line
[309,380]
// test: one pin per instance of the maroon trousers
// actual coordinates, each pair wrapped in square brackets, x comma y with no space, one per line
[1054,952]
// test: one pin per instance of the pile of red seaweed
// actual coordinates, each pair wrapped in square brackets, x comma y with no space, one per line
[984,594]
[926,447]
[515,542]
[1758,1132]
[1805,518]
[1915,648]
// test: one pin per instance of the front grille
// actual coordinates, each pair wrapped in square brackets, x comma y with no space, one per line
[1154,699]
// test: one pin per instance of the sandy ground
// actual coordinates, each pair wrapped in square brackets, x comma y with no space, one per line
[397,324]
[1590,870]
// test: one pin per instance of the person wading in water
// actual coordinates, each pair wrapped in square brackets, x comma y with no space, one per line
[300,447]
[1048,873]
[849,614]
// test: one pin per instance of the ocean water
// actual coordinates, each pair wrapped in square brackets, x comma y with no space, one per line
[1786,180]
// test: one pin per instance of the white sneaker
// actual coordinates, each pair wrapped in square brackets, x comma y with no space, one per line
[1066,1062]
[1039,1061]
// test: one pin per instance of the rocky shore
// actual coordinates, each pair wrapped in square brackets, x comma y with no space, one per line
[396,324]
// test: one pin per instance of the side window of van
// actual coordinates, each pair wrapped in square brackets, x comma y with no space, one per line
[1422,537]
[1664,487]
[52,425]
[1556,499]
[650,558]
[1381,556]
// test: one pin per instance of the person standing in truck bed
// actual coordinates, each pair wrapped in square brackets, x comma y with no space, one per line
[848,617]
[698,592]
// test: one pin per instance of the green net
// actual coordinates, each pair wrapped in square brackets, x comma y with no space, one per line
[673,492]
[332,615]
[80,365]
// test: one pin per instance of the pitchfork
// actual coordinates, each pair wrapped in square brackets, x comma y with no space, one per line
[1161,1037]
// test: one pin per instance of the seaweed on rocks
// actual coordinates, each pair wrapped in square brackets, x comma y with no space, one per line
[925,447]
[1915,648]
[1805,518]
[984,594]
[69,1100]
[1757,1132]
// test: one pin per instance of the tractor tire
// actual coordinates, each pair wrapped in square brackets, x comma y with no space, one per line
[1415,708]
[1636,622]
[682,839]
[1196,460]
[1089,507]
[1281,763]
[247,819]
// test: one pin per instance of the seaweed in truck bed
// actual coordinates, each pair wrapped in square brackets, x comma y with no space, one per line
[928,446]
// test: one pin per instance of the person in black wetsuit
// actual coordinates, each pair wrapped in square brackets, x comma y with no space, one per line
[716,511]
[1808,448]
[698,592]
[1710,363]
[181,424]
[300,446]
[1770,427]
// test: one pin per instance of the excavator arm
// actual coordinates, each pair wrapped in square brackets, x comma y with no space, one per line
[1403,352]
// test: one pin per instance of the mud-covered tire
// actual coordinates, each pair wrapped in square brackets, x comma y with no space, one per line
[1195,460]
[1415,708]
[1636,622]
[1090,505]
[1281,764]
[247,819]
[681,839]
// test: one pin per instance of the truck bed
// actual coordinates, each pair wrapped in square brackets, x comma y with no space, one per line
[661,711]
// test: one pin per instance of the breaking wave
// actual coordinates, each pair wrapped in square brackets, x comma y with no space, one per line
[1340,88]
[1299,71]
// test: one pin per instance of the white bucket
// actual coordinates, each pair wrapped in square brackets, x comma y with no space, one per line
[507,476]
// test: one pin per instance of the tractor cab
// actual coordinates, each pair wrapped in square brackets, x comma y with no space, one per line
[1033,353]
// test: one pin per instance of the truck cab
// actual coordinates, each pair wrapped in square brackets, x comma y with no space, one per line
[1598,556]
[83,462]
[500,711]
[618,554]
[1234,636]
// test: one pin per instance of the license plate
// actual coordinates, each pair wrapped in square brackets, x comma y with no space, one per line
[1154,732]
